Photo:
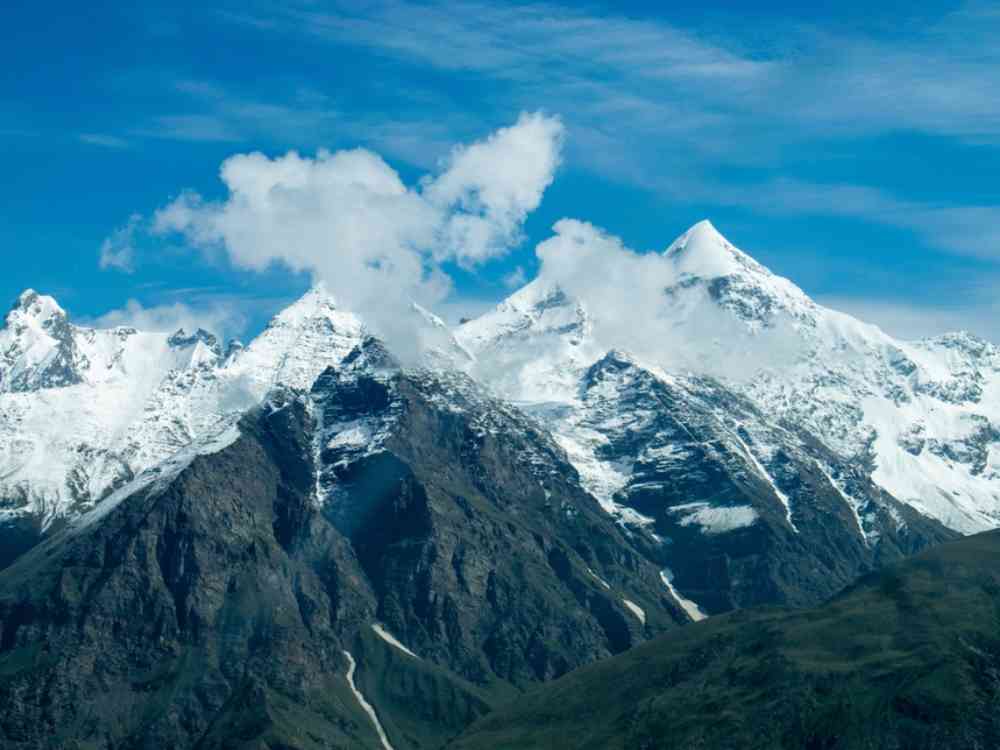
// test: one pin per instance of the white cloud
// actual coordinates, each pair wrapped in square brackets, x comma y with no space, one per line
[118,250]
[494,184]
[349,220]
[515,278]
[218,318]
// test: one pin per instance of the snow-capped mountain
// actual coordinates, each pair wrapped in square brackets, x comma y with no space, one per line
[922,417]
[739,415]
[380,560]
[743,410]
[320,529]
[83,410]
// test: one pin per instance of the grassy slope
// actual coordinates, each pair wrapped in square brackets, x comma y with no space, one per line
[907,658]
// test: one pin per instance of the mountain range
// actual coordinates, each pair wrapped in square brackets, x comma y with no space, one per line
[315,541]
[907,657]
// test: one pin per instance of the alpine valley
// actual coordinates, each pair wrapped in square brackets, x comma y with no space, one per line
[312,541]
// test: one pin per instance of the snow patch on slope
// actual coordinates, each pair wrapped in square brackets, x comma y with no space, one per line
[782,497]
[365,705]
[389,638]
[691,608]
[600,580]
[715,519]
[636,610]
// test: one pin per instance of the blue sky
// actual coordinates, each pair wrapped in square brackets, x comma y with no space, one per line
[853,150]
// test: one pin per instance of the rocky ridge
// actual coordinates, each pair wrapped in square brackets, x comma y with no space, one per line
[282,570]
[529,499]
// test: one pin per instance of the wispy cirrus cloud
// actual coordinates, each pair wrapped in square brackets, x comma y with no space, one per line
[970,230]
[514,41]
[103,139]
[118,250]
[937,78]
[192,127]
[208,112]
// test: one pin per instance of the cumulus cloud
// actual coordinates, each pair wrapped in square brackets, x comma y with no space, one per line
[218,318]
[493,185]
[118,250]
[348,218]
[594,266]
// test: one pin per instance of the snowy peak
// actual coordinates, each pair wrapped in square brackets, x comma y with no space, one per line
[83,410]
[706,262]
[203,346]
[37,348]
[436,344]
[533,346]
[611,364]
[924,417]
[537,309]
[371,355]
[32,306]
[315,303]
[703,252]
[300,342]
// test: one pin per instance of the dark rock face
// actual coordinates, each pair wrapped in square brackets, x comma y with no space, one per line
[17,536]
[735,530]
[220,603]
[214,608]
[182,612]
[473,529]
[181,339]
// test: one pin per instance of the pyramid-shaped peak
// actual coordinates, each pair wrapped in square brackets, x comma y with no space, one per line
[702,251]
[317,302]
[704,231]
[317,311]
[318,294]
[34,306]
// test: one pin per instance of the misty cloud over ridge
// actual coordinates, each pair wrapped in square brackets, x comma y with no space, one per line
[626,295]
